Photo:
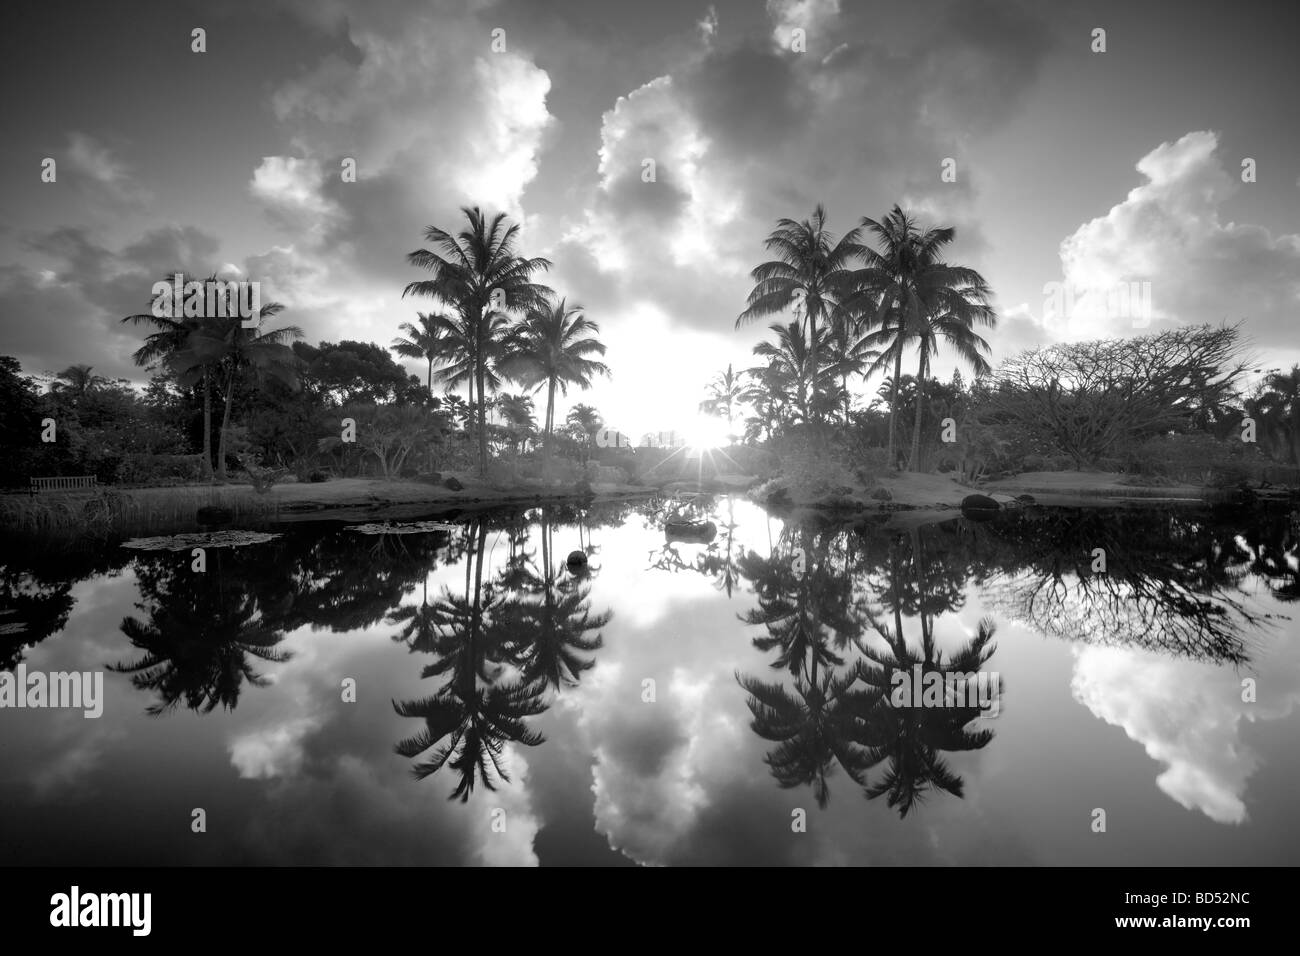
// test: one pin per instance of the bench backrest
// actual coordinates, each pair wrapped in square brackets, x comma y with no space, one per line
[64,483]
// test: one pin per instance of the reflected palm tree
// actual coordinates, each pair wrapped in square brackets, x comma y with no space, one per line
[201,640]
[817,726]
[805,604]
[911,738]
[545,623]
[471,718]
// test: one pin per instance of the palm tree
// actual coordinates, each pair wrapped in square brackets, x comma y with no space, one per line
[1277,406]
[849,354]
[517,410]
[429,341]
[170,338]
[792,368]
[76,380]
[552,348]
[218,344]
[955,300]
[810,273]
[889,293]
[479,275]
[724,394]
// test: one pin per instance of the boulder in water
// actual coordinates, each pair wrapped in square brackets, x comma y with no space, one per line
[453,484]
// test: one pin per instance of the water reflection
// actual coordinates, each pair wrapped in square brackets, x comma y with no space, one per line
[832,612]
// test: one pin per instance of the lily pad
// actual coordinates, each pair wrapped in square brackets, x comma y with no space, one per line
[409,527]
[211,539]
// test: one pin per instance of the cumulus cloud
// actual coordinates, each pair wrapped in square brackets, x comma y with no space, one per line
[1188,716]
[1170,231]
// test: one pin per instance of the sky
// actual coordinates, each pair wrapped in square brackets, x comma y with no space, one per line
[1099,171]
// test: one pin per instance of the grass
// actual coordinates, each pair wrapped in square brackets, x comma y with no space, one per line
[108,513]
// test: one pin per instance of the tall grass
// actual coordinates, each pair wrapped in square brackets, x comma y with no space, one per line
[108,513]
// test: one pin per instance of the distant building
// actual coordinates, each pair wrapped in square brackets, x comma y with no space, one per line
[669,439]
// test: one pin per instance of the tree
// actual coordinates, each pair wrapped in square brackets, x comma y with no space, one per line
[75,381]
[724,394]
[479,275]
[793,373]
[552,347]
[898,289]
[1089,400]
[810,274]
[954,300]
[429,341]
[1276,406]
[224,344]
[172,332]
[389,432]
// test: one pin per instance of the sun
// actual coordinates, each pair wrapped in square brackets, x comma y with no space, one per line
[706,432]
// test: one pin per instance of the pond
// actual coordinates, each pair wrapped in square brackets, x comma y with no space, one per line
[458,694]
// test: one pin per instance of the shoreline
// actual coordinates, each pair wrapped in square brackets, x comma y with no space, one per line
[921,497]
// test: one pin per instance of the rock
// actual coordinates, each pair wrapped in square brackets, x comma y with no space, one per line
[214,514]
[576,559]
[979,507]
[1027,499]
[881,494]
[453,484]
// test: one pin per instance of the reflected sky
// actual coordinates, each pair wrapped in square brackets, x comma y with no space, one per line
[644,743]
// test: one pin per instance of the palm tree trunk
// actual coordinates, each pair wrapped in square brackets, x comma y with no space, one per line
[430,385]
[482,423]
[812,358]
[225,423]
[550,424]
[914,459]
[207,426]
[893,396]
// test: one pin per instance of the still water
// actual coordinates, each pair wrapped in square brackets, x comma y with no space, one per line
[462,697]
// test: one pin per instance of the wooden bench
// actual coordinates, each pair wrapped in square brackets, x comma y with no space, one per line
[65,483]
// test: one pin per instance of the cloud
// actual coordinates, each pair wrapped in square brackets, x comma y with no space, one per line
[94,161]
[812,16]
[1188,716]
[1170,232]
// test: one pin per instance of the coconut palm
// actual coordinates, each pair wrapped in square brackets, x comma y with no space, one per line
[479,275]
[724,394]
[1277,407]
[223,346]
[429,340]
[169,338]
[793,371]
[955,300]
[553,347]
[889,293]
[811,274]
[76,380]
